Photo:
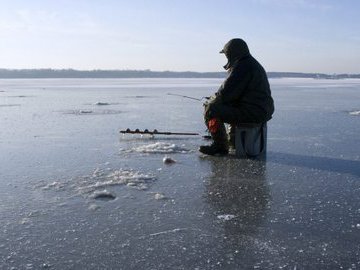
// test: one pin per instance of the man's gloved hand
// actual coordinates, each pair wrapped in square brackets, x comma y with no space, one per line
[211,99]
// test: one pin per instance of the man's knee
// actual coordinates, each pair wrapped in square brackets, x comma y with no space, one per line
[212,110]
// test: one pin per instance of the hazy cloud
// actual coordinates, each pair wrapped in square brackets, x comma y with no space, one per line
[44,21]
[308,4]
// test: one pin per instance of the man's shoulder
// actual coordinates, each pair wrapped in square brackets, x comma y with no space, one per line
[245,65]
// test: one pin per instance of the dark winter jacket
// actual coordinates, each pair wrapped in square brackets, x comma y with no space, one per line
[247,86]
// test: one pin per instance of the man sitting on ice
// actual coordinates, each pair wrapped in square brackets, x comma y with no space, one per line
[244,97]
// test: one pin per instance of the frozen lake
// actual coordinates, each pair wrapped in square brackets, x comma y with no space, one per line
[77,195]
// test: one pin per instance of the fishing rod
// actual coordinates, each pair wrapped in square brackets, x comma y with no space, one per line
[198,99]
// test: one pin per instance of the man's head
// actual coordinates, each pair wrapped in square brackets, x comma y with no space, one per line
[234,50]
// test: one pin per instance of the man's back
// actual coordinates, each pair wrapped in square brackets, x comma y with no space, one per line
[257,95]
[247,87]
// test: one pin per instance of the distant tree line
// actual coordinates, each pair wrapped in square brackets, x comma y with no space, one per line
[72,73]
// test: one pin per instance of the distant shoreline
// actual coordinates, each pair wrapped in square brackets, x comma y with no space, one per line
[118,74]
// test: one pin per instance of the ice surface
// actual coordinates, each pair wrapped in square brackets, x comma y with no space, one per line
[299,208]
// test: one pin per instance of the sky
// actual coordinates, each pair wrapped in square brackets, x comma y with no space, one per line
[179,35]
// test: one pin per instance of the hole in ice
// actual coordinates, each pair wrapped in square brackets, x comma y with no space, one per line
[168,160]
[19,96]
[100,103]
[10,105]
[103,195]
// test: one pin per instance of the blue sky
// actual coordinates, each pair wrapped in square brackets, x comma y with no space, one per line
[180,35]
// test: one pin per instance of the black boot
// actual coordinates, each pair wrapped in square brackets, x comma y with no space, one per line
[220,144]
[214,149]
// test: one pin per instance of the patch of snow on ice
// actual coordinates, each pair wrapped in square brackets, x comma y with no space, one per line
[355,113]
[160,196]
[93,207]
[129,178]
[161,148]
[53,185]
[24,221]
[95,185]
[226,217]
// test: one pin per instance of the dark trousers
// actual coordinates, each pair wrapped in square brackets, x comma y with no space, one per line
[226,113]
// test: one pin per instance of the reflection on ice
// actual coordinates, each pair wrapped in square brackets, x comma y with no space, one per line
[238,188]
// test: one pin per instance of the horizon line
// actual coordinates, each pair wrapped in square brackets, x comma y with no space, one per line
[161,71]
